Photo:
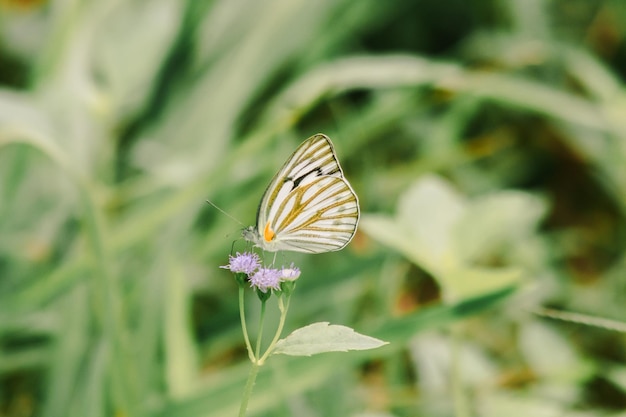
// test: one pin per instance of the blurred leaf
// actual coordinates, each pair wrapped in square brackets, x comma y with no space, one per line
[181,361]
[432,356]
[492,224]
[124,33]
[514,405]
[422,229]
[445,241]
[549,353]
[470,281]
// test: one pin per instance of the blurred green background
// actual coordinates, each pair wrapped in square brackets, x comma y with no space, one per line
[487,144]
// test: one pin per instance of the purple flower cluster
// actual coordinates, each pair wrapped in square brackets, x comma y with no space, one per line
[261,278]
[245,263]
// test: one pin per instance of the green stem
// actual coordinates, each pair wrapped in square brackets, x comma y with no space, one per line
[283,306]
[244,328]
[257,363]
[260,336]
[254,370]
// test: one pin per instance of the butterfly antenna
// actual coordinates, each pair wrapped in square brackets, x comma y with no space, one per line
[223,212]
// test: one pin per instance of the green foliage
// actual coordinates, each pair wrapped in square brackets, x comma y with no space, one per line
[323,337]
[486,142]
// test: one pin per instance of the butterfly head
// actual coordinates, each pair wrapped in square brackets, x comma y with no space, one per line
[265,240]
[250,234]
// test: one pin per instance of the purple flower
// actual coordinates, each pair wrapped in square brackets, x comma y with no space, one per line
[245,263]
[266,278]
[289,274]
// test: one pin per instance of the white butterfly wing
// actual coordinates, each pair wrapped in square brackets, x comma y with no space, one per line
[308,206]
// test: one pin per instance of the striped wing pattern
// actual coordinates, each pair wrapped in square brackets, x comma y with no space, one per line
[308,206]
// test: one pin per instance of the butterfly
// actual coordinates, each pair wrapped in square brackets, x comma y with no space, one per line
[308,206]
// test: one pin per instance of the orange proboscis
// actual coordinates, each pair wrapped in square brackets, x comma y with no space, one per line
[268,233]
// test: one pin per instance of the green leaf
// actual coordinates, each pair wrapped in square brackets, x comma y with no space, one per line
[423,228]
[497,222]
[452,237]
[323,337]
[473,281]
